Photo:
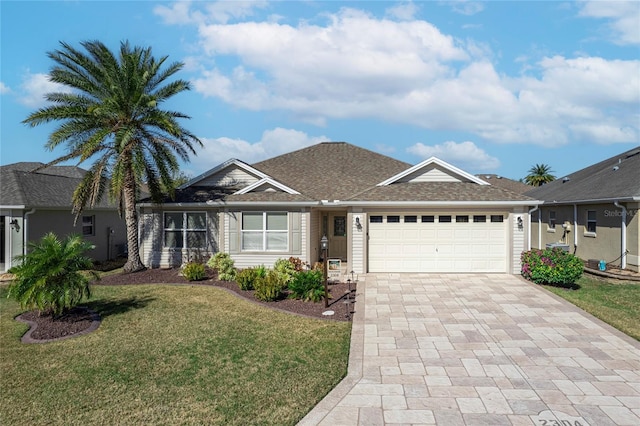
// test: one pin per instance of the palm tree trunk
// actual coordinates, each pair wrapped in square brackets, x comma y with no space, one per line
[134,263]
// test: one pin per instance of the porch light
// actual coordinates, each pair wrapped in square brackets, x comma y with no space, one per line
[324,243]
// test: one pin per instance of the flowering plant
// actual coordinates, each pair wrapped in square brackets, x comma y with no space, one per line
[551,266]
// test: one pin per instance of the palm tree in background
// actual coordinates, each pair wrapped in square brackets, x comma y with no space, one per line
[113,118]
[539,175]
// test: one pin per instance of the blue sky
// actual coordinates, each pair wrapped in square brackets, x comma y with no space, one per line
[491,87]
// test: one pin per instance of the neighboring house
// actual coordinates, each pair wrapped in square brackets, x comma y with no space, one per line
[379,214]
[32,204]
[593,211]
[506,183]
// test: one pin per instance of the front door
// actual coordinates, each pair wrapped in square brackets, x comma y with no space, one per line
[337,236]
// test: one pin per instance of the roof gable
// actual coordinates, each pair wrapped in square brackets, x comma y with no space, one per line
[433,170]
[266,185]
[233,174]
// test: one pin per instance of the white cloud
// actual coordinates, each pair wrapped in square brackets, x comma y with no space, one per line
[273,143]
[465,7]
[623,16]
[181,12]
[34,88]
[403,12]
[4,89]
[409,72]
[465,155]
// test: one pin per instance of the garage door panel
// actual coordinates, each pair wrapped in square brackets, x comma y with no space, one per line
[437,246]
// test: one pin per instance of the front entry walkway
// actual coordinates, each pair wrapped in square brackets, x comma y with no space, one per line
[480,350]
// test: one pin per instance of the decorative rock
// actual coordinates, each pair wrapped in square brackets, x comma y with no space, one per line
[328,313]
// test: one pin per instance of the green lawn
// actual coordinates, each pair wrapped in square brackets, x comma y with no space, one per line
[171,355]
[617,304]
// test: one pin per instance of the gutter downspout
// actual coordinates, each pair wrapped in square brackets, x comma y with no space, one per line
[623,229]
[575,228]
[529,239]
[24,230]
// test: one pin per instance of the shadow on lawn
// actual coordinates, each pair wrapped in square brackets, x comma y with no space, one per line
[107,308]
[572,287]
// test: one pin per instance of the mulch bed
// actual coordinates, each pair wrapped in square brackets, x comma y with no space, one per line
[337,291]
[45,328]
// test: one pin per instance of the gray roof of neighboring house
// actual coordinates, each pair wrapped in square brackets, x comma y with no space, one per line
[615,178]
[505,183]
[331,170]
[49,187]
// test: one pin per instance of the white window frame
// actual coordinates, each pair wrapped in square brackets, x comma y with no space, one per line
[551,223]
[265,232]
[91,225]
[587,232]
[184,231]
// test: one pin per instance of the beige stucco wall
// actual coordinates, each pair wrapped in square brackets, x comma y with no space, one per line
[605,244]
[61,223]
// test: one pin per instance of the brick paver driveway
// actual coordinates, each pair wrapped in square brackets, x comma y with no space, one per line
[480,350]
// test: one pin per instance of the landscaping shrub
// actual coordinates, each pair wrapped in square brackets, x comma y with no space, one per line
[246,278]
[194,271]
[297,263]
[307,285]
[551,266]
[285,268]
[223,264]
[269,287]
[54,275]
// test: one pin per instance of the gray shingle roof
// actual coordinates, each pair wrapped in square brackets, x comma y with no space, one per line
[331,170]
[505,183]
[50,187]
[615,178]
[438,191]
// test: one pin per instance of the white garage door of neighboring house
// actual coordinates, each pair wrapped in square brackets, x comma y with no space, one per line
[451,242]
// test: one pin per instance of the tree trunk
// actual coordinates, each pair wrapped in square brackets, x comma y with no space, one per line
[134,263]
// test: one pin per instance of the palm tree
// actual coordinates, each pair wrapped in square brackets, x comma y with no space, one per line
[539,175]
[113,117]
[50,277]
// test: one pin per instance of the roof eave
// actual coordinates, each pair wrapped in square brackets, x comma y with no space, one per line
[442,203]
[210,204]
[593,200]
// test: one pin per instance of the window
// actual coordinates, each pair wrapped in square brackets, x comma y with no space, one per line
[185,229]
[497,218]
[393,219]
[462,219]
[552,219]
[444,219]
[265,231]
[375,219]
[479,219]
[410,219]
[591,221]
[427,219]
[88,227]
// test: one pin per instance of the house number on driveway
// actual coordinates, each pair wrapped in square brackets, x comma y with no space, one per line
[549,418]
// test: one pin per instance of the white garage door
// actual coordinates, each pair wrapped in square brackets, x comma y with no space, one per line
[451,242]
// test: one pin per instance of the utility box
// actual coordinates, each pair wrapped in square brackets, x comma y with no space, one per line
[564,247]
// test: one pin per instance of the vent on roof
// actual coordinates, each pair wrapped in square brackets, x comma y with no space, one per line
[566,179]
[615,168]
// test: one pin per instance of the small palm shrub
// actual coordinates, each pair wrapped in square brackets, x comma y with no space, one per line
[246,277]
[223,264]
[54,275]
[551,266]
[270,287]
[286,268]
[194,271]
[298,264]
[307,285]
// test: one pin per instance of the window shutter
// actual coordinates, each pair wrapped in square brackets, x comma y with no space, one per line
[232,218]
[296,232]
